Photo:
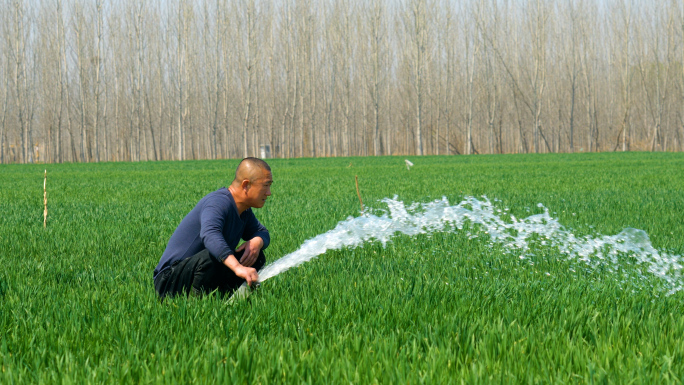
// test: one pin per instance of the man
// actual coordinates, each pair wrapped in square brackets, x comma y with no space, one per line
[201,256]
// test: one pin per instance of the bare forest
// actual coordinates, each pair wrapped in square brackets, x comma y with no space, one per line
[133,80]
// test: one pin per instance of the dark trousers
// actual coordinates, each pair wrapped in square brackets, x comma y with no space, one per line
[200,274]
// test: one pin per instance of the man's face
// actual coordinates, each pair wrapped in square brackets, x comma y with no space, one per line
[260,190]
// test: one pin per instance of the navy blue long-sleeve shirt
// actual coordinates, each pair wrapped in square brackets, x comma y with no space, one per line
[214,224]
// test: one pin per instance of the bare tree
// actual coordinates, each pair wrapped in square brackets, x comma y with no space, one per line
[247,16]
[573,69]
[376,34]
[330,64]
[139,82]
[624,32]
[681,72]
[97,59]
[214,68]
[18,49]
[5,68]
[589,67]
[488,29]
[654,78]
[472,50]
[181,73]
[417,21]
[79,25]
[538,26]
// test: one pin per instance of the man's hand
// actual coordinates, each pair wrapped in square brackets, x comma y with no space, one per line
[251,251]
[249,274]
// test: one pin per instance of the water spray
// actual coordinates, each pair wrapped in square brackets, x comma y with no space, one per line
[515,235]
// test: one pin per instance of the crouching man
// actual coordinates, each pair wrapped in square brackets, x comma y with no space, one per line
[201,256]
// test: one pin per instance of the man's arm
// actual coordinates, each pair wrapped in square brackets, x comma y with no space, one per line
[212,220]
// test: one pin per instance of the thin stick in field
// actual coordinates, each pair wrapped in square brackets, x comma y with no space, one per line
[45,200]
[357,191]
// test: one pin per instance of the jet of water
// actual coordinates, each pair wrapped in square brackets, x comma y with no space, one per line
[516,235]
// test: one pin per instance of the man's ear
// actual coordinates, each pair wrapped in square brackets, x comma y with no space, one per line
[245,184]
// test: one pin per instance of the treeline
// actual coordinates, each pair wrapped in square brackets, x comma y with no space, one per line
[93,80]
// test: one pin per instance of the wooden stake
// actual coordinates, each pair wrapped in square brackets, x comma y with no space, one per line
[45,200]
[357,191]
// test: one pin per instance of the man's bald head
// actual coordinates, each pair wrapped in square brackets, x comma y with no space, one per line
[250,169]
[252,184]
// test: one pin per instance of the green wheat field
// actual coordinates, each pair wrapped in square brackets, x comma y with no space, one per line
[77,304]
